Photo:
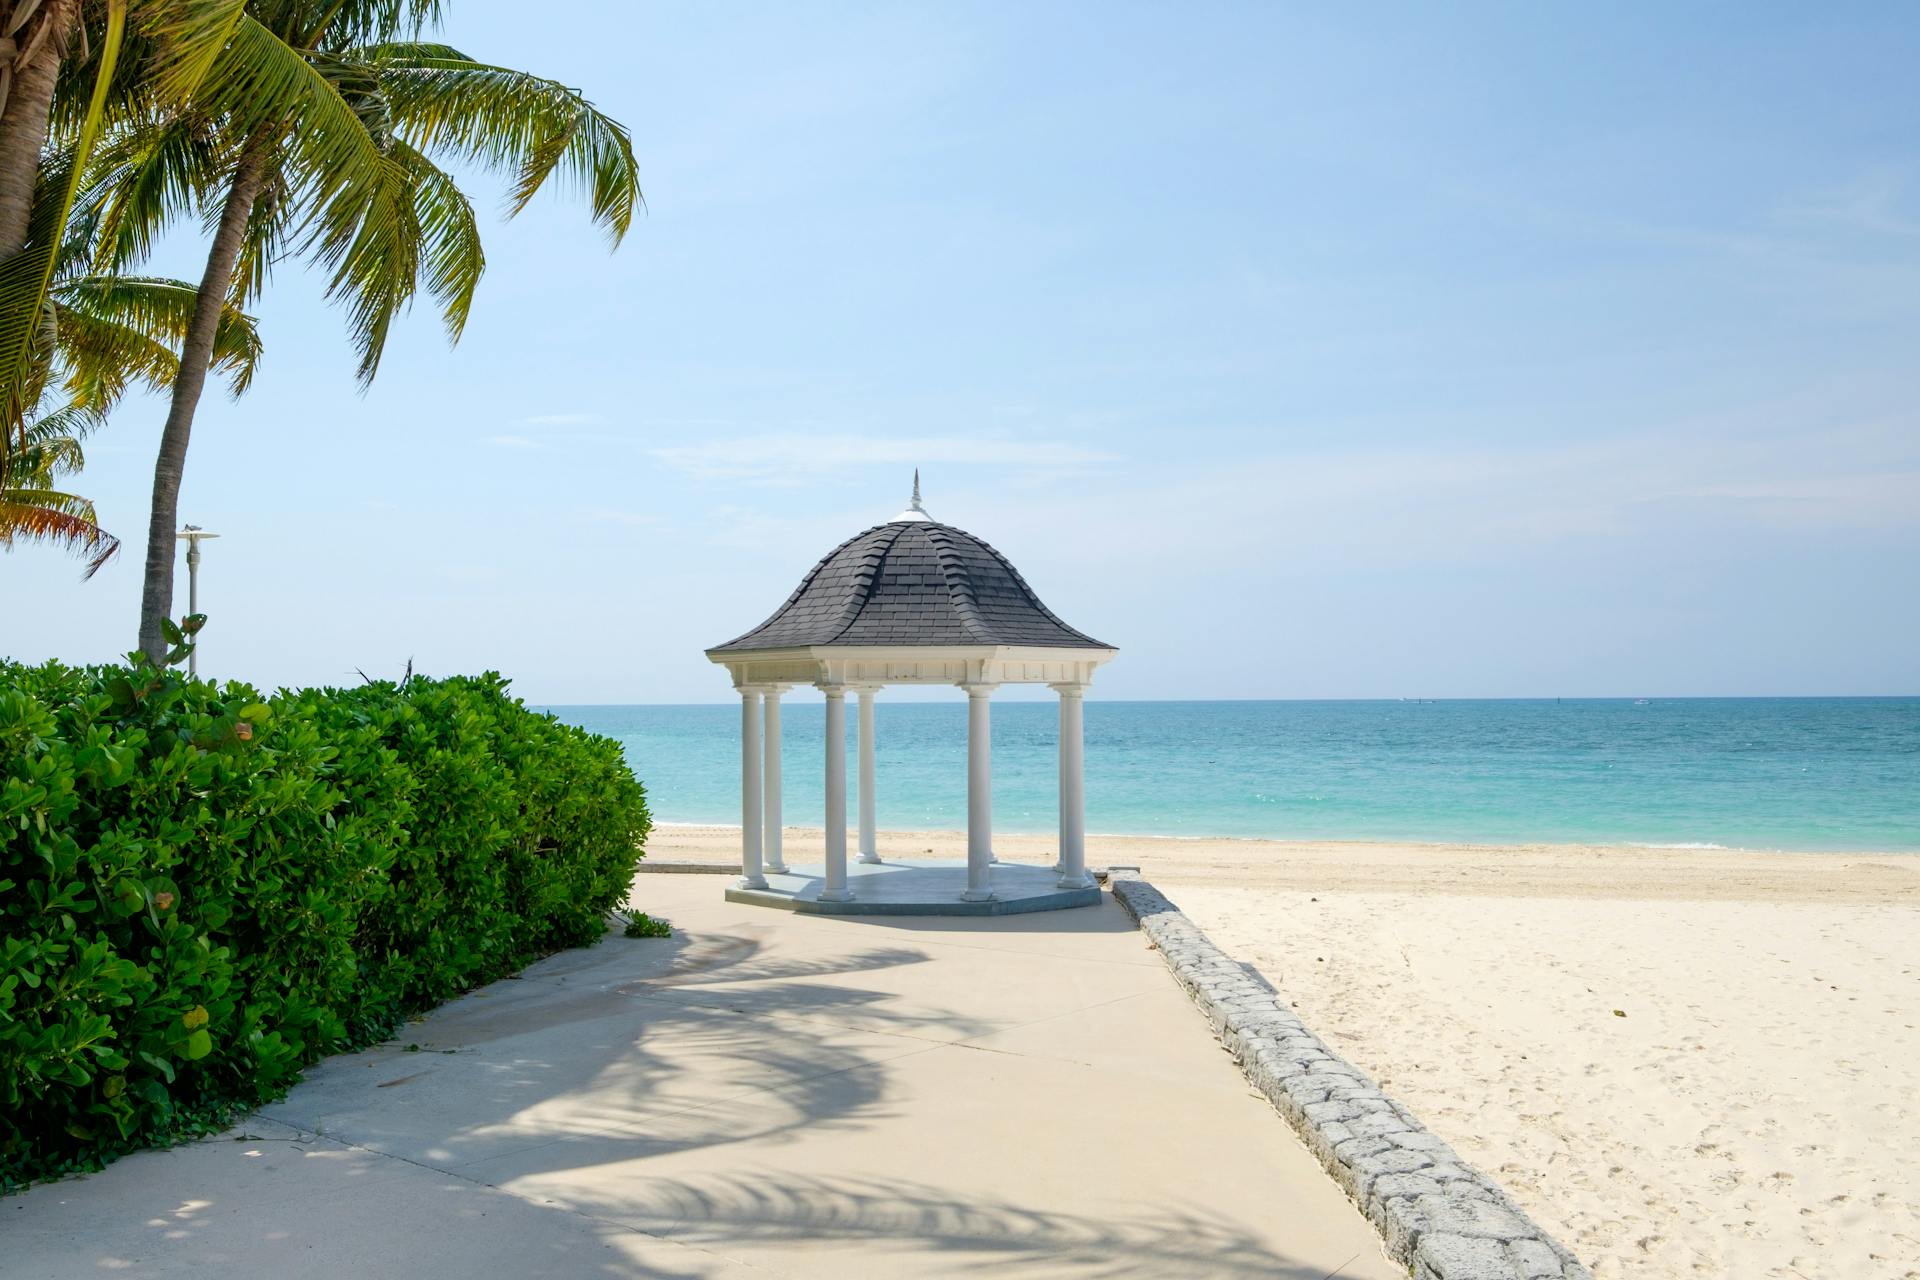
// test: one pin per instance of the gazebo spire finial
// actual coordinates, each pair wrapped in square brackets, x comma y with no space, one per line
[914,511]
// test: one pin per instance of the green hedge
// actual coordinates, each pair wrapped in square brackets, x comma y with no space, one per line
[203,890]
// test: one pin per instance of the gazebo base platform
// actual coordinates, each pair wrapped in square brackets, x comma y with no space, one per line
[917,888]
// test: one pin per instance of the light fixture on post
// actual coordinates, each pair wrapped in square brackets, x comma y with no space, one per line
[192,535]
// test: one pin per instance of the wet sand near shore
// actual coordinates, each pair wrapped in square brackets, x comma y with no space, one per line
[1535,870]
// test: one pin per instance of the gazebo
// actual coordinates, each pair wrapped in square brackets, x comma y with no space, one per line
[911,601]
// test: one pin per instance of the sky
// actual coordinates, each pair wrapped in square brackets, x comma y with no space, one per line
[1300,351]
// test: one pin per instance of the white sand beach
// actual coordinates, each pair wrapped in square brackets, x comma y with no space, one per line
[1752,1110]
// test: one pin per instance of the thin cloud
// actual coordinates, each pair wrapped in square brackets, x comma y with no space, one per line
[515,442]
[1285,512]
[1873,206]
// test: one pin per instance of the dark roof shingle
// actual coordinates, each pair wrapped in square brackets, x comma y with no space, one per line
[913,582]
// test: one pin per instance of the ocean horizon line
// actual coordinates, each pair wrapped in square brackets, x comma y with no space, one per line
[1649,698]
[1678,846]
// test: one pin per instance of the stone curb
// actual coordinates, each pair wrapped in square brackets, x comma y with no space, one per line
[1440,1217]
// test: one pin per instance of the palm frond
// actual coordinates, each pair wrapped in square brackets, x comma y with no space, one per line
[191,40]
[114,329]
[446,103]
[371,241]
[266,89]
[430,241]
[33,509]
[29,511]
[143,179]
[66,521]
[347,24]
[450,250]
[60,431]
[101,357]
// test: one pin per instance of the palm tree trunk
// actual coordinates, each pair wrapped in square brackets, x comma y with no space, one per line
[23,121]
[196,354]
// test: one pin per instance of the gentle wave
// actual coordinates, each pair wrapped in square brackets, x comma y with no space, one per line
[1707,774]
[1675,844]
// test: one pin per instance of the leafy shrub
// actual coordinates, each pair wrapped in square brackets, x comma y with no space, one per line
[203,890]
[642,925]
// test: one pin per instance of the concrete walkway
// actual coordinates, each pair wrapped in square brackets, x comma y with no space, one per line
[763,1095]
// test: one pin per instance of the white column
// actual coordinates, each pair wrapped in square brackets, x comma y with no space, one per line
[869,852]
[776,858]
[979,795]
[750,874]
[836,888]
[1073,789]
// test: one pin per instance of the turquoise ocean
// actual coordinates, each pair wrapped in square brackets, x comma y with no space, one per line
[1765,773]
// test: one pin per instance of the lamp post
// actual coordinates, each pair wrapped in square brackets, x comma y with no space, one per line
[192,535]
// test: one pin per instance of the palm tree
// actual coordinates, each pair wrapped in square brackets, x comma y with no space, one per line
[48,314]
[318,132]
[104,333]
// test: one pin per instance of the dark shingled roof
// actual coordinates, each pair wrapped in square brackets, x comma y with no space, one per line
[913,582]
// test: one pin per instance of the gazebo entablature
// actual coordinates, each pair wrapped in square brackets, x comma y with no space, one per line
[959,665]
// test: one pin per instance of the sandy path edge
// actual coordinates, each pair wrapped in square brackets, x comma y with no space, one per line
[1438,1216]
[1683,1063]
